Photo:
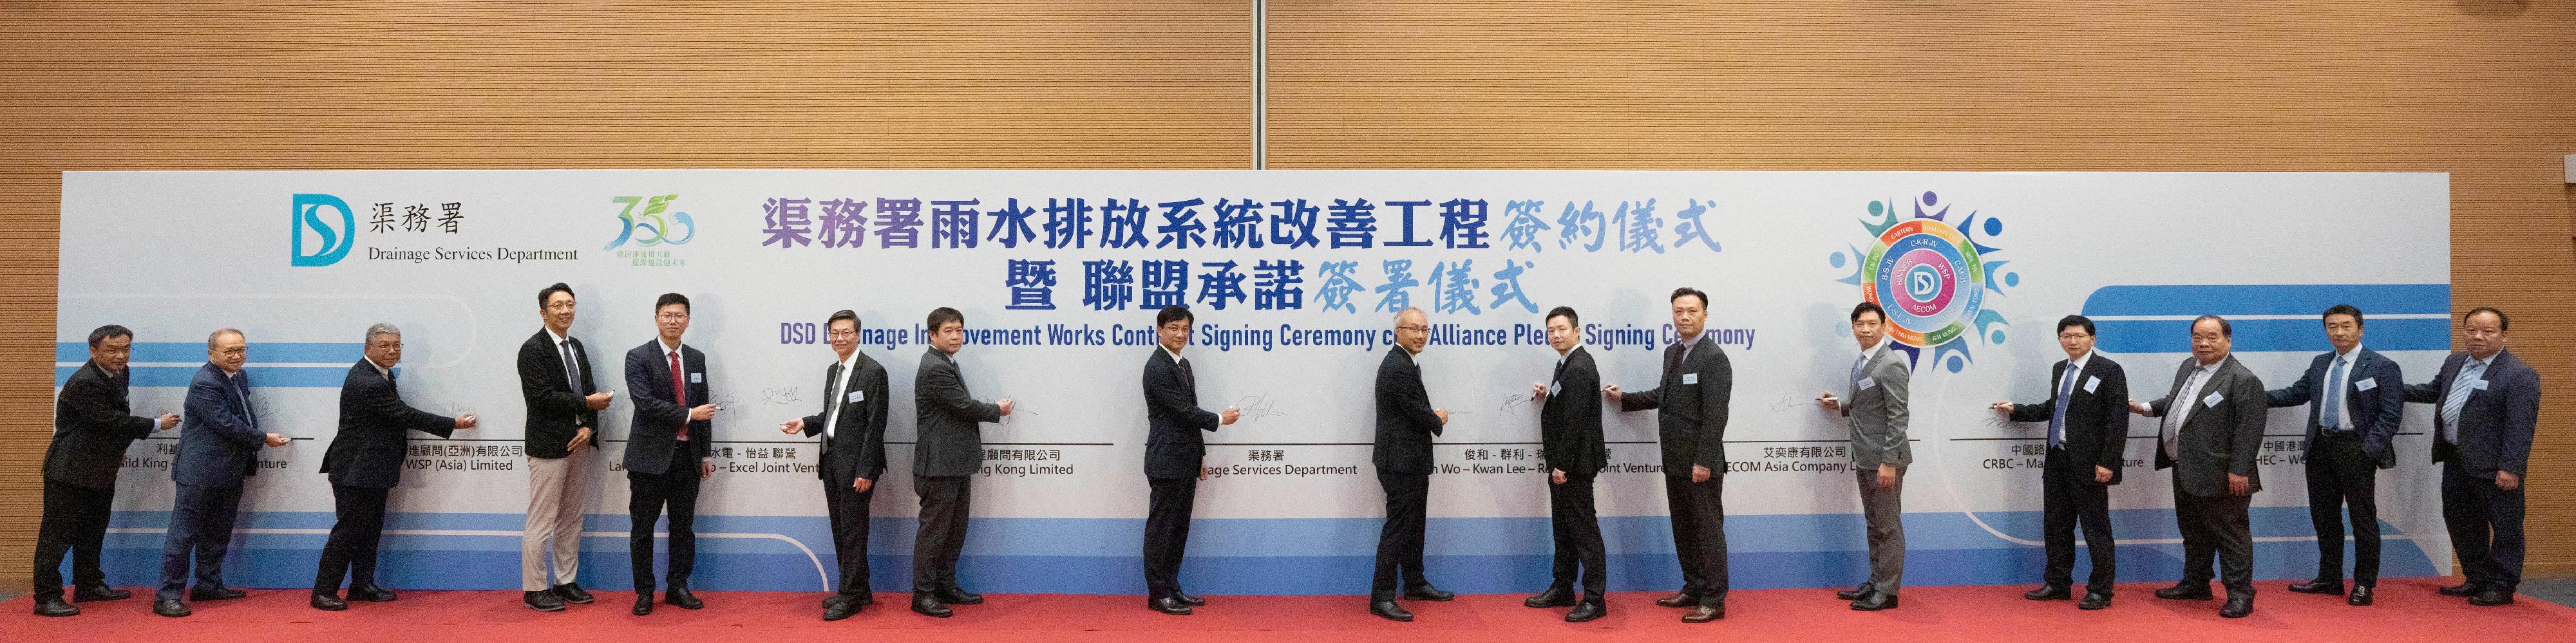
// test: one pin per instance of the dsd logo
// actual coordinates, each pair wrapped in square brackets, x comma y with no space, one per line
[1932,279]
[651,227]
[308,221]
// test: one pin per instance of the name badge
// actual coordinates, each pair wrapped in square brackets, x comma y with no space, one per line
[2092,383]
[1693,378]
[857,396]
[1867,383]
[1554,387]
[2477,385]
[2366,384]
[2213,400]
[697,378]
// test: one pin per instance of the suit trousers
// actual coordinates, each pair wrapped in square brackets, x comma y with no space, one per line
[2065,503]
[2486,527]
[201,527]
[558,495]
[1580,557]
[1167,533]
[848,509]
[945,502]
[75,521]
[651,494]
[1884,510]
[1699,532]
[2341,475]
[351,551]
[1399,539]
[2215,528]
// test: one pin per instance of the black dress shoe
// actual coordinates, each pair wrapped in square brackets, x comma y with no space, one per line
[2318,586]
[216,593]
[643,603]
[1555,596]
[2049,593]
[1875,601]
[1387,609]
[1591,608]
[1707,611]
[1678,599]
[1187,599]
[2238,606]
[571,593]
[679,596]
[2360,596]
[542,601]
[2094,601]
[929,605]
[372,594]
[99,593]
[1853,594]
[1425,592]
[955,595]
[54,606]
[861,599]
[840,609]
[1169,605]
[2462,589]
[2186,591]
[170,607]
[2491,597]
[329,603]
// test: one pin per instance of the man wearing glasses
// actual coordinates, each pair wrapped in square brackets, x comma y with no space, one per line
[365,462]
[1405,425]
[666,451]
[2088,426]
[562,446]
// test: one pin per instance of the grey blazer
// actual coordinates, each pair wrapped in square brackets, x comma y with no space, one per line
[2222,433]
[1878,413]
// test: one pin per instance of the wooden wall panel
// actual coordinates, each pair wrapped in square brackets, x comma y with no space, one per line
[2482,89]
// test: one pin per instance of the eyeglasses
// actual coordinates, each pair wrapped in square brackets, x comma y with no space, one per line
[2073,335]
[671,316]
[843,333]
[560,305]
[1414,328]
[387,344]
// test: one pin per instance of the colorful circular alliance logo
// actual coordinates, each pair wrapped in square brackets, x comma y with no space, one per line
[1932,278]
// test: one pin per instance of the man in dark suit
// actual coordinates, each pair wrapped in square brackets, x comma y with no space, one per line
[364,463]
[1174,452]
[667,452]
[1569,428]
[92,427]
[2488,405]
[562,445]
[947,450]
[1405,425]
[2088,426]
[852,424]
[2356,399]
[2213,424]
[1692,394]
[218,447]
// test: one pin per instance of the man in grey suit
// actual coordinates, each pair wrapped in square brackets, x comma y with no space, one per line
[2213,424]
[1692,395]
[948,448]
[1879,452]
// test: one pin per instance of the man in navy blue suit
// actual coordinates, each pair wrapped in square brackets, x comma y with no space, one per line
[666,451]
[218,447]
[92,427]
[2355,398]
[2487,405]
[365,463]
[1174,452]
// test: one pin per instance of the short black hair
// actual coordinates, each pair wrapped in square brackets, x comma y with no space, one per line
[2076,320]
[1870,307]
[1172,314]
[2344,309]
[942,315]
[2502,322]
[1566,312]
[669,298]
[2223,330]
[107,332]
[841,315]
[1678,293]
[549,292]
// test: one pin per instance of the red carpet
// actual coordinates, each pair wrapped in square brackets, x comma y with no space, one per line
[2408,610]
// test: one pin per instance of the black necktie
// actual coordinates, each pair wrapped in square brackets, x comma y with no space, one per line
[572,374]
[1673,362]
[242,393]
[832,387]
[1188,379]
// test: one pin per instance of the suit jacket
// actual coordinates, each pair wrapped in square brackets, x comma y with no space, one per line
[2376,411]
[653,435]
[368,452]
[856,448]
[2496,422]
[2097,416]
[1173,420]
[948,419]
[1878,426]
[1692,424]
[556,412]
[2216,439]
[92,427]
[1569,422]
[1405,422]
[219,438]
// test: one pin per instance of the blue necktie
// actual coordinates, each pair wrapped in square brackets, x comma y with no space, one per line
[2333,413]
[2460,386]
[2057,419]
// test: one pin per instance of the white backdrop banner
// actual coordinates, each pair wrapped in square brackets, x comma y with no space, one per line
[1294,277]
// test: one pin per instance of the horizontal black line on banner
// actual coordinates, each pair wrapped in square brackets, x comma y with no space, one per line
[177,437]
[1290,444]
[1033,444]
[470,439]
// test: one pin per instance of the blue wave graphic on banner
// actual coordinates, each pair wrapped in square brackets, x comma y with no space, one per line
[2269,318]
